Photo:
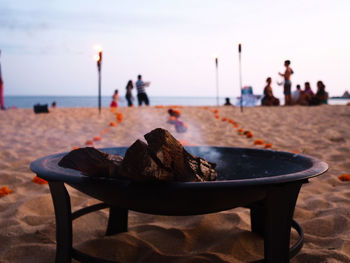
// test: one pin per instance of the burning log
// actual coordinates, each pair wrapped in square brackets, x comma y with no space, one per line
[163,159]
[139,165]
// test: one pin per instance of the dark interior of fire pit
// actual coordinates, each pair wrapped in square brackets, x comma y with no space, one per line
[243,163]
[251,163]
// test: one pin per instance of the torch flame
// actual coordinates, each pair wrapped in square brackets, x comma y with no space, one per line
[98,48]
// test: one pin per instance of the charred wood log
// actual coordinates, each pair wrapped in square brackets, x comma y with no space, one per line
[92,162]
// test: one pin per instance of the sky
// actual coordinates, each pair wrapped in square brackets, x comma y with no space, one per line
[47,46]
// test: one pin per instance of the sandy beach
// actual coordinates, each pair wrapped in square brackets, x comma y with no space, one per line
[27,223]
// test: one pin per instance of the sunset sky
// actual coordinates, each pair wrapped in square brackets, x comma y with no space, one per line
[47,45]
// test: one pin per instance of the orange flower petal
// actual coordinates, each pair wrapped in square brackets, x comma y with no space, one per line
[38,180]
[89,142]
[75,148]
[240,130]
[249,134]
[344,177]
[217,116]
[112,124]
[259,142]
[5,191]
[159,106]
[216,111]
[295,152]
[119,117]
[177,112]
[268,145]
[235,125]
[97,138]
[224,119]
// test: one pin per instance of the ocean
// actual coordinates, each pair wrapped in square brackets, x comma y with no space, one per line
[92,101]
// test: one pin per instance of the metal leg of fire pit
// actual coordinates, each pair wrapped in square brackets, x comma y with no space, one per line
[61,201]
[273,219]
[117,223]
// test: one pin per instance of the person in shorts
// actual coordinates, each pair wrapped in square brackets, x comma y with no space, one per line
[141,91]
[287,83]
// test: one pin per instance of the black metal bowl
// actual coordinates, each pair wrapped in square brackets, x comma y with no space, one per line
[244,177]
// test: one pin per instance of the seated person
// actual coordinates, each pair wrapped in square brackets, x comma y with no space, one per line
[227,103]
[321,96]
[295,94]
[269,99]
[306,95]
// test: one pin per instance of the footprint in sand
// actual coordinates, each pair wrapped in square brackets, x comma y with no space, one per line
[337,139]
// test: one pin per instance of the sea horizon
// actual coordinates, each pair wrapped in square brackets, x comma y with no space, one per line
[69,101]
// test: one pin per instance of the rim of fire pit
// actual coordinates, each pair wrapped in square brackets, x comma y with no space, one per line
[48,169]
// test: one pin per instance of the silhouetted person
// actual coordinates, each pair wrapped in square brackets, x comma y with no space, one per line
[269,99]
[321,96]
[306,95]
[227,103]
[2,101]
[287,83]
[53,105]
[128,94]
[141,91]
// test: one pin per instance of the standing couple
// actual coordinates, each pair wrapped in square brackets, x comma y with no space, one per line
[141,91]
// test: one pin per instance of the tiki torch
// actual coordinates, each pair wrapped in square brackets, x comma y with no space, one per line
[217,79]
[99,64]
[240,74]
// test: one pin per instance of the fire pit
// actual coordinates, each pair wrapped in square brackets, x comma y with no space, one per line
[267,182]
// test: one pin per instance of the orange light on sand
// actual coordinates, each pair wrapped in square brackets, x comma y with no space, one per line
[38,180]
[97,138]
[89,142]
[344,177]
[259,142]
[5,191]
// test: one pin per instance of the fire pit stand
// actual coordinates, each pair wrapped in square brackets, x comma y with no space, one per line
[266,182]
